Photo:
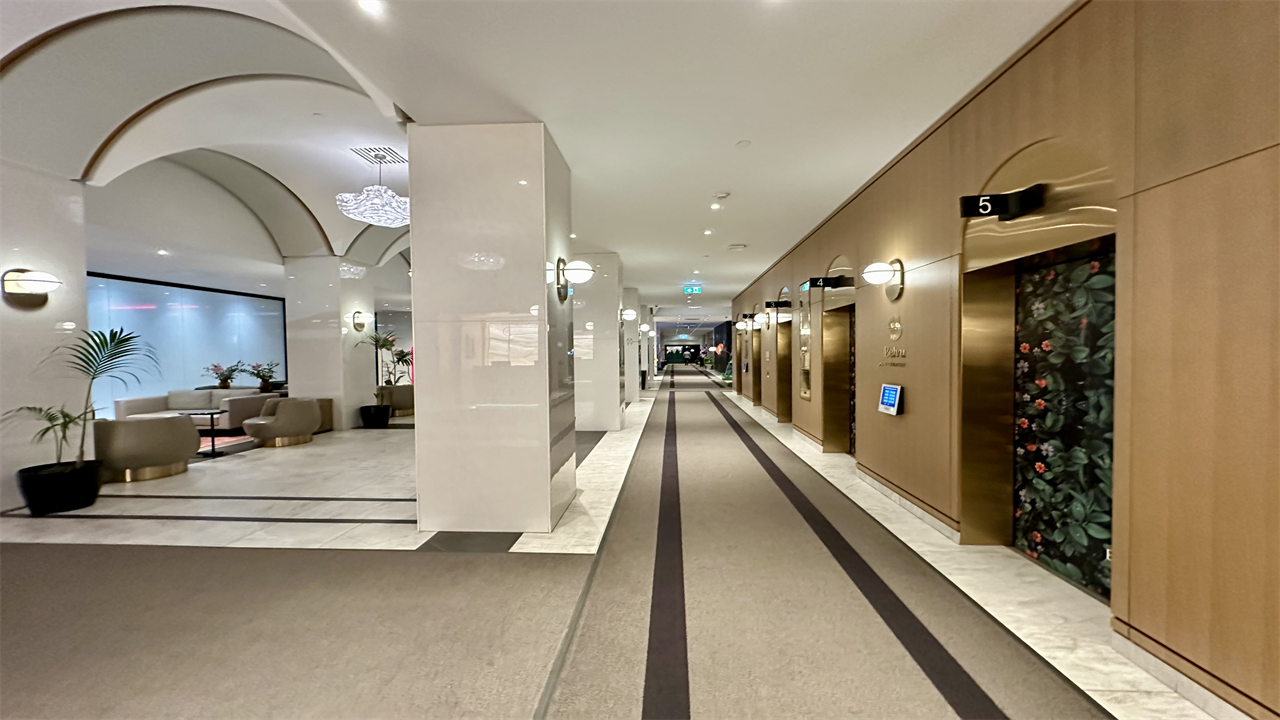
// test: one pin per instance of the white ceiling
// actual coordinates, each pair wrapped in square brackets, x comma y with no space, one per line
[647,101]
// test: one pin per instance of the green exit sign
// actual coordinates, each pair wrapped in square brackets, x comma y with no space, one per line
[692,289]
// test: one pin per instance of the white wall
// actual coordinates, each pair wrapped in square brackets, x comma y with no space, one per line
[212,239]
[41,228]
[631,345]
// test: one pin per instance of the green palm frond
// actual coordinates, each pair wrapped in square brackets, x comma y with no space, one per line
[379,341]
[113,354]
[58,422]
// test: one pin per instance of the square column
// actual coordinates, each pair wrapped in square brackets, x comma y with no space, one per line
[494,390]
[631,344]
[597,345]
[322,332]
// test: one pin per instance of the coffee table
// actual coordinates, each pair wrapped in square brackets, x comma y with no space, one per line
[212,452]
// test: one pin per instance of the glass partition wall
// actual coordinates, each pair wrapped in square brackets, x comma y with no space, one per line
[190,328]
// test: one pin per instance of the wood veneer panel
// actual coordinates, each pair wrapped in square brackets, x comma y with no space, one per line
[1078,84]
[913,450]
[809,260]
[1208,84]
[1205,485]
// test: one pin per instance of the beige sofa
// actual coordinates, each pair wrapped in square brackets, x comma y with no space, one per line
[285,422]
[145,448]
[240,404]
[399,397]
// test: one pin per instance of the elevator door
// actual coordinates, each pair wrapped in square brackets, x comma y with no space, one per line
[853,383]
[755,367]
[783,353]
[1064,386]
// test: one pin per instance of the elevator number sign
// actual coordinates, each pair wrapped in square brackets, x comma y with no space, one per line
[891,399]
[692,289]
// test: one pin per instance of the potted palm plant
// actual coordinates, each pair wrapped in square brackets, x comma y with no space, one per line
[377,416]
[401,361]
[94,355]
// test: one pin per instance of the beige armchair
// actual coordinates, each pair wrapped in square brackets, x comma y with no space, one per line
[399,397]
[285,422]
[144,449]
[239,404]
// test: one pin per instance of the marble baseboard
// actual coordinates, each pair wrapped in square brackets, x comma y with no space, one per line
[947,531]
[1068,628]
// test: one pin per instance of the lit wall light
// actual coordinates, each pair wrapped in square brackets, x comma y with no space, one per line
[28,289]
[761,318]
[653,333]
[579,271]
[741,325]
[629,315]
[889,274]
[644,327]
[358,321]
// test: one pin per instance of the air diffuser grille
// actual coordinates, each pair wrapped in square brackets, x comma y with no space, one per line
[380,155]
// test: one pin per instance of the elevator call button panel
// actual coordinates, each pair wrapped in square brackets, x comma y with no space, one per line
[891,399]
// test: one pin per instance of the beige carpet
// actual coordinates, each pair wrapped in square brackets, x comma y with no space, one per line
[168,632]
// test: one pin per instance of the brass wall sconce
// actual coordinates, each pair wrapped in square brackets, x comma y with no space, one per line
[890,274]
[28,289]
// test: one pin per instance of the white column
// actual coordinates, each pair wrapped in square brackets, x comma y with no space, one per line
[598,391]
[631,344]
[648,343]
[42,229]
[325,360]
[494,398]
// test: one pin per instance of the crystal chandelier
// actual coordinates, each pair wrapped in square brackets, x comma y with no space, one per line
[376,204]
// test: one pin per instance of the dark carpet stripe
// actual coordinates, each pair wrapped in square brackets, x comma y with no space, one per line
[953,682]
[478,542]
[666,675]
[307,498]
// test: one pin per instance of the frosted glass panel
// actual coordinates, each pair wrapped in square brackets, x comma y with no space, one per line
[190,330]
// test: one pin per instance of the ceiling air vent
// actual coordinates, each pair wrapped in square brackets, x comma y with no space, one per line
[380,155]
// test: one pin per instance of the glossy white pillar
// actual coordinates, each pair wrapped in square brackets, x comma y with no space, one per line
[631,343]
[494,399]
[325,361]
[598,391]
[41,228]
[647,344]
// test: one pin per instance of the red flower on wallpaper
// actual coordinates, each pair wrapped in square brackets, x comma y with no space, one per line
[1051,275]
[1035,535]
[1023,423]
[1017,512]
[1039,404]
[1032,554]
[1032,447]
[1040,467]
[1025,347]
[1084,321]
[1042,383]
[1046,346]
[1095,266]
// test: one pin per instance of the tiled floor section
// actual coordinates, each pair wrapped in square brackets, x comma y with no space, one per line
[296,498]
[1070,629]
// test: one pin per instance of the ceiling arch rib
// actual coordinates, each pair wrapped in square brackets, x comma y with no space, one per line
[399,247]
[375,245]
[63,96]
[290,222]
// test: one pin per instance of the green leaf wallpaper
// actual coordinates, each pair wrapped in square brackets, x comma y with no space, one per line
[1065,358]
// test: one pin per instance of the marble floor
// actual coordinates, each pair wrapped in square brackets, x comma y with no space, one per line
[346,490]
[1068,628]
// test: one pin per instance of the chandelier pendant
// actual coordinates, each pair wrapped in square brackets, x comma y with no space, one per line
[376,204]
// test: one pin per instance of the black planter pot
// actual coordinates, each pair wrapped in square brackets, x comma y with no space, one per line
[375,417]
[59,487]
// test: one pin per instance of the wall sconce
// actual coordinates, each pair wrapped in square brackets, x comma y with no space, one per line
[644,327]
[740,325]
[576,272]
[629,315]
[653,333]
[358,320]
[889,274]
[28,289]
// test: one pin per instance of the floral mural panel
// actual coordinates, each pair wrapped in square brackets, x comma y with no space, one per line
[1065,380]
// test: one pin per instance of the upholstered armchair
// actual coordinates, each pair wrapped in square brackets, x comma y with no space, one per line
[284,422]
[145,448]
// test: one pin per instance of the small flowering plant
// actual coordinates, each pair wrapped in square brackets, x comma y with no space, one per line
[227,373]
[266,372]
[1064,379]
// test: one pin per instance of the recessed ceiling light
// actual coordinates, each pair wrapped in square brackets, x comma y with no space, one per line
[695,272]
[744,144]
[715,206]
[706,232]
[573,236]
[262,284]
[373,7]
[162,251]
[524,182]
[737,248]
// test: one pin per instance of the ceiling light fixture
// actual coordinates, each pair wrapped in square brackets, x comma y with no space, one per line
[715,206]
[351,271]
[373,7]
[376,204]
[737,248]
[524,182]
[706,232]
[162,251]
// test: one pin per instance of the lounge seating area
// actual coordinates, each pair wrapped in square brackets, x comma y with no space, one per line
[237,404]
[399,397]
[145,448]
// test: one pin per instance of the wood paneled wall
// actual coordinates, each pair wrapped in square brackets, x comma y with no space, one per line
[1182,101]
